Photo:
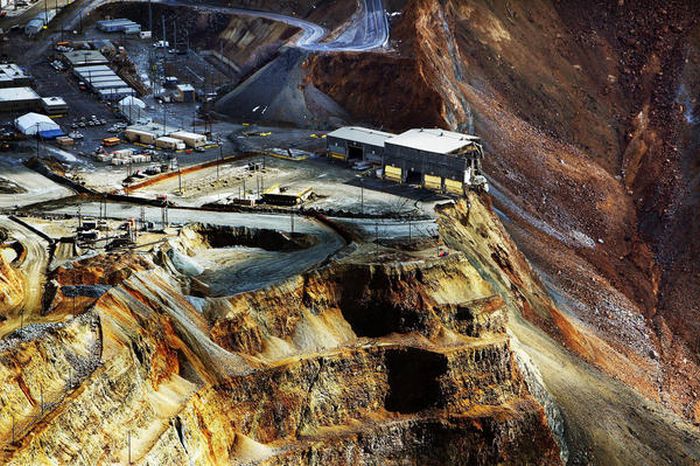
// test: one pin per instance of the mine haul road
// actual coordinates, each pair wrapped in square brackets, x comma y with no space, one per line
[267,267]
[367,30]
[33,269]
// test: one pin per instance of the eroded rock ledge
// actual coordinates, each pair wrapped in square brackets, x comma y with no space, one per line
[364,361]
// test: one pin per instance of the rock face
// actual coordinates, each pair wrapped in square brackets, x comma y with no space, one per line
[588,113]
[363,361]
[12,288]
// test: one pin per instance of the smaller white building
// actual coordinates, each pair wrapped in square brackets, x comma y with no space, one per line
[134,110]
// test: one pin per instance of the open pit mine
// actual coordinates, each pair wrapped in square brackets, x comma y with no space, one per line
[358,232]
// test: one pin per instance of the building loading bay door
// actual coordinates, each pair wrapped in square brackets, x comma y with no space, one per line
[355,152]
[414,177]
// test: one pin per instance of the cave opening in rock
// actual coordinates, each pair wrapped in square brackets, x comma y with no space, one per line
[372,320]
[414,380]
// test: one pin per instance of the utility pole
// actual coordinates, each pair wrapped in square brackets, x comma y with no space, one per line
[150,16]
[37,139]
[129,444]
[179,178]
[164,214]
[376,235]
[362,196]
[218,163]
[175,34]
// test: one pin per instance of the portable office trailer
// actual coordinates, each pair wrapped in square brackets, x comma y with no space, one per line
[170,143]
[184,93]
[37,24]
[119,25]
[191,139]
[143,137]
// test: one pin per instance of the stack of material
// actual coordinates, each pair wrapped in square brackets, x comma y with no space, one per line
[65,141]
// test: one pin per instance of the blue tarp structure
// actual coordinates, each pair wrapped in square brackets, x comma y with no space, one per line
[51,134]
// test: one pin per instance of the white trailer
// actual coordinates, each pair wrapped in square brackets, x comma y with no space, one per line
[193,140]
[137,135]
[170,143]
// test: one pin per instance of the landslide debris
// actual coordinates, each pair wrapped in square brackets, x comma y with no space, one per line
[588,114]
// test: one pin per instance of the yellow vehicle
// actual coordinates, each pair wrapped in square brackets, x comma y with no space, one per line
[111,142]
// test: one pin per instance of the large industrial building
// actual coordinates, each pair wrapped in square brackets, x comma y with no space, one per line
[18,99]
[437,159]
[12,75]
[355,143]
[104,82]
[85,58]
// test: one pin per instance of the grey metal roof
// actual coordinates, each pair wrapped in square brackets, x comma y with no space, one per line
[361,135]
[79,57]
[435,140]
[18,94]
[53,101]
[103,78]
[12,72]
[113,84]
[92,69]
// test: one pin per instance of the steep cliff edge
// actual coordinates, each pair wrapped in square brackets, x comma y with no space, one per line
[552,345]
[589,116]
